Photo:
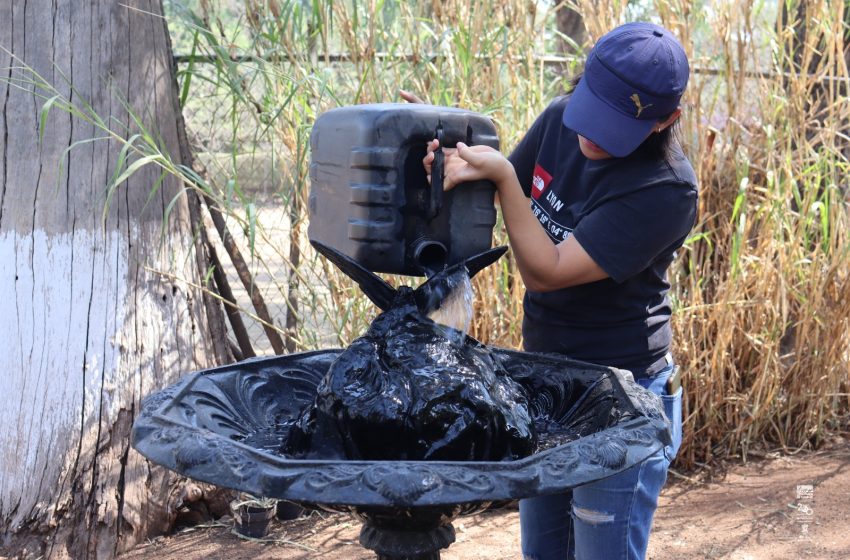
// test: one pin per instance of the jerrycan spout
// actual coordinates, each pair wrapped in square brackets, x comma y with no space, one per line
[430,256]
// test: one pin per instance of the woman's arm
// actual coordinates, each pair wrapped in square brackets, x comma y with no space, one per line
[543,265]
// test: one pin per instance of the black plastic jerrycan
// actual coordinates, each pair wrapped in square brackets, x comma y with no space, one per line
[370,197]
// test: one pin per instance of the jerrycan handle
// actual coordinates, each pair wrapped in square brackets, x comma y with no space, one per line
[435,202]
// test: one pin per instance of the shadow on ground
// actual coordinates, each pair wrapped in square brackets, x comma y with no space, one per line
[750,512]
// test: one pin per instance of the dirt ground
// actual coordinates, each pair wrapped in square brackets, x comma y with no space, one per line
[779,506]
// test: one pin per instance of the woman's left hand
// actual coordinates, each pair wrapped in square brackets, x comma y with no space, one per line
[470,163]
[410,97]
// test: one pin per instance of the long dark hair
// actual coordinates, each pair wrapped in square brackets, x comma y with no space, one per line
[658,145]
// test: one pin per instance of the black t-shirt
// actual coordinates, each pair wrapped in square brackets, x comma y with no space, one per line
[630,214]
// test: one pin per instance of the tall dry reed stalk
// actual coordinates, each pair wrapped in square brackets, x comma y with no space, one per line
[761,290]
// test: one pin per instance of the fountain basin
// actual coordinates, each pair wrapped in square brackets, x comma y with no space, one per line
[226,426]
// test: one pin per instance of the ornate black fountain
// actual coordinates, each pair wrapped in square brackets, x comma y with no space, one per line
[415,423]
[232,425]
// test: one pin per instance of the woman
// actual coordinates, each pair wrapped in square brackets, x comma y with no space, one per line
[612,199]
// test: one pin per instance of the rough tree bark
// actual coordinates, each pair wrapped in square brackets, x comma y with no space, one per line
[88,327]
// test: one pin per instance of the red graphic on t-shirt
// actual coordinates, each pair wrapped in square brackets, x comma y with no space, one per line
[539,181]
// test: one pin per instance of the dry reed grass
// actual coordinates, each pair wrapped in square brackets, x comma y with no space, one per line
[762,291]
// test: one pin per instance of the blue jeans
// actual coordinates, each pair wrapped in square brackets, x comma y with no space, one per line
[609,519]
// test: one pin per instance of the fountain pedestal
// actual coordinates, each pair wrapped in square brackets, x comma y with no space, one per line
[226,426]
[420,537]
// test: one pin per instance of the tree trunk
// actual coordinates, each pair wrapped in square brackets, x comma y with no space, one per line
[572,29]
[573,35]
[822,56]
[89,326]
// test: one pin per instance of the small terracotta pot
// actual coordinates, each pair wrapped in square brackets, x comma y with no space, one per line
[251,520]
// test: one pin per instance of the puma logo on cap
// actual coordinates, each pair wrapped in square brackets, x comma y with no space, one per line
[640,106]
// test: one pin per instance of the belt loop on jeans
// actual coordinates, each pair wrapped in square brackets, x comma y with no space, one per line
[660,363]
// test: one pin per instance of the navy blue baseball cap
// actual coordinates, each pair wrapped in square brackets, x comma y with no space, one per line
[634,76]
